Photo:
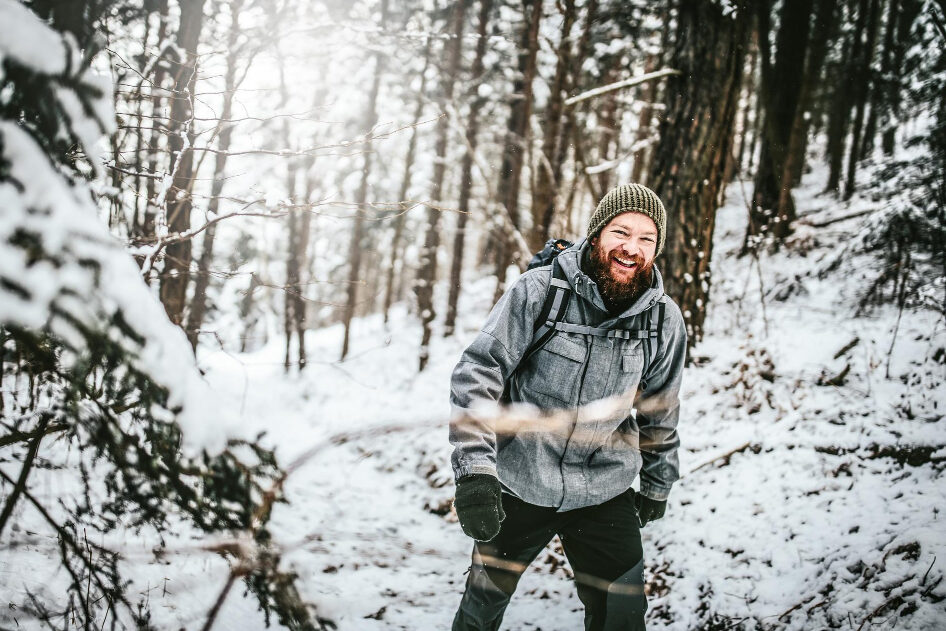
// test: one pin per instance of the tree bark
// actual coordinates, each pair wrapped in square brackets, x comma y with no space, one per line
[154,139]
[198,306]
[862,93]
[839,119]
[549,171]
[608,125]
[822,30]
[907,14]
[427,273]
[648,92]
[177,257]
[695,135]
[772,207]
[369,120]
[466,175]
[517,132]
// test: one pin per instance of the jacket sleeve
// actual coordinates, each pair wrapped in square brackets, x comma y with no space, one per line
[481,374]
[658,410]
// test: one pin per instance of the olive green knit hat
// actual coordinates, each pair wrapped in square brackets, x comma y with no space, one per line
[630,198]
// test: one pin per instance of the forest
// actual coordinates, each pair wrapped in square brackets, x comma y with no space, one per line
[246,241]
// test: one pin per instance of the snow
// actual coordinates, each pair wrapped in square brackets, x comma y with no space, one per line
[793,511]
[30,42]
[75,273]
[801,505]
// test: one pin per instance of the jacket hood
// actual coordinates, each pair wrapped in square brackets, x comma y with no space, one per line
[571,261]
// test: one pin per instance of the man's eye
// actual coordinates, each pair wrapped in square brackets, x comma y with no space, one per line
[620,232]
[651,239]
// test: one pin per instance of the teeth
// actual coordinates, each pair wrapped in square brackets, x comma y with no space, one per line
[623,261]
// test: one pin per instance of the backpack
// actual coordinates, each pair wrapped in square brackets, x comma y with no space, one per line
[551,318]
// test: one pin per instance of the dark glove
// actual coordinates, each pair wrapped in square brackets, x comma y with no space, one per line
[479,506]
[649,510]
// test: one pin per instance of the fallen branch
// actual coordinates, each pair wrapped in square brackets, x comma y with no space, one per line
[726,457]
[828,222]
[847,347]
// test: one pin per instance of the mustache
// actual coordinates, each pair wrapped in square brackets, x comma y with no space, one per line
[636,258]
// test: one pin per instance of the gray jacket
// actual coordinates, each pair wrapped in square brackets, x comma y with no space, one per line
[590,461]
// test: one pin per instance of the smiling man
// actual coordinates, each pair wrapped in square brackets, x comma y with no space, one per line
[594,324]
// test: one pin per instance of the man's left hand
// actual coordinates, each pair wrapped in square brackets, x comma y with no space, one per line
[649,510]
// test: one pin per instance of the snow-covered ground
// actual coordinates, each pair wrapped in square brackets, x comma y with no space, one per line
[807,501]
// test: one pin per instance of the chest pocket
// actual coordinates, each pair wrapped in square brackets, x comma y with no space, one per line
[552,373]
[628,376]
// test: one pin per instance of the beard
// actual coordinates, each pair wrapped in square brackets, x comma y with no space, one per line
[618,294]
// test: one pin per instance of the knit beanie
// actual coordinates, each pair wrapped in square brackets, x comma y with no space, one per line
[630,198]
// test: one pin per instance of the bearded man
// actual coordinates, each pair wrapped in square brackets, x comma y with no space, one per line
[518,488]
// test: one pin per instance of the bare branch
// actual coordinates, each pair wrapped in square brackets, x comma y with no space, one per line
[627,83]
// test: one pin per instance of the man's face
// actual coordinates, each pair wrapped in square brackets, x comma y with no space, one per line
[622,258]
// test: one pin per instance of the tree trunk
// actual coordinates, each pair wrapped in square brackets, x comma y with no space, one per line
[648,92]
[608,125]
[861,95]
[147,224]
[466,176]
[548,177]
[879,81]
[573,84]
[909,10]
[695,135]
[822,30]
[427,272]
[772,207]
[369,120]
[403,203]
[177,257]
[841,102]
[517,132]
[198,306]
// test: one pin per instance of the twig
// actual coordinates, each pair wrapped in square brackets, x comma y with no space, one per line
[726,456]
[923,582]
[20,485]
[828,222]
[611,87]
[847,347]
[896,329]
[18,437]
[798,606]
[212,614]
[878,610]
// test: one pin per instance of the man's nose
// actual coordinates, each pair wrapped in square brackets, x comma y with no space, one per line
[631,247]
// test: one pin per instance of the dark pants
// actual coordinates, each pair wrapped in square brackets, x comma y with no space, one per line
[602,544]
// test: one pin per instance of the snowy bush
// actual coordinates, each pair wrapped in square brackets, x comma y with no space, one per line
[910,230]
[95,378]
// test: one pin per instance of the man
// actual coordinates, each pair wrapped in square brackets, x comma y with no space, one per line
[517,489]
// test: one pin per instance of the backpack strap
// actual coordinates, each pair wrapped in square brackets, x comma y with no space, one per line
[653,330]
[553,312]
[557,297]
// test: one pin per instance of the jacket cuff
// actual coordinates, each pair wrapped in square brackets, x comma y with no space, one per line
[655,492]
[470,469]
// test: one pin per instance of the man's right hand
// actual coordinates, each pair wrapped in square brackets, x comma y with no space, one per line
[479,505]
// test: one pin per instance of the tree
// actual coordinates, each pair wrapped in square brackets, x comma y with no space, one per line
[695,137]
[177,258]
[369,120]
[198,305]
[427,273]
[549,170]
[466,169]
[89,357]
[516,137]
[772,208]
